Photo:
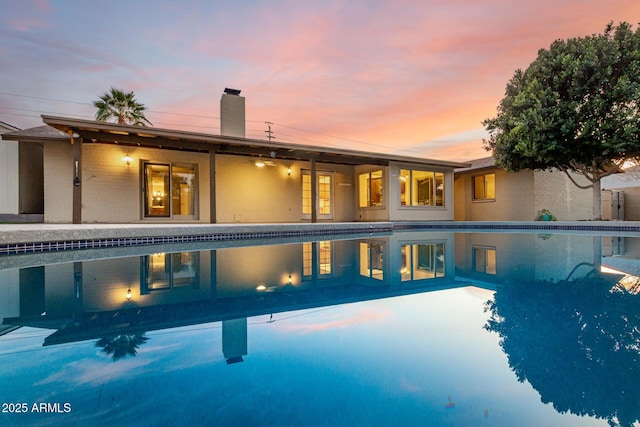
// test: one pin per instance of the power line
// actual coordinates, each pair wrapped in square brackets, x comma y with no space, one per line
[269,131]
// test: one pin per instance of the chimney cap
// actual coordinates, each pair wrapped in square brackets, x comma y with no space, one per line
[230,91]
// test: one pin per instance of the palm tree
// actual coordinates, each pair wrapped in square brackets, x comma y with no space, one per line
[121,346]
[121,106]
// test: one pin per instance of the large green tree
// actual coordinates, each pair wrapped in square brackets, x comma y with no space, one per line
[121,106]
[576,108]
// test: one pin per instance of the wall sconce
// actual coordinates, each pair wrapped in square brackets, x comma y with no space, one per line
[76,179]
[289,171]
[259,162]
[290,280]
[127,159]
[128,294]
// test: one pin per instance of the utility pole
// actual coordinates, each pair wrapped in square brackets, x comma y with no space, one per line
[269,132]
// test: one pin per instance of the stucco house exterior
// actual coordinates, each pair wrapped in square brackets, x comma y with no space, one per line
[99,172]
[21,180]
[486,192]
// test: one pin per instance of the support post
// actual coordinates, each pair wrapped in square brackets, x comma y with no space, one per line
[314,195]
[77,180]
[212,188]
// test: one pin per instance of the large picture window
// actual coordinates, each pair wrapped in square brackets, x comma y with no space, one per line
[370,189]
[169,190]
[421,188]
[484,187]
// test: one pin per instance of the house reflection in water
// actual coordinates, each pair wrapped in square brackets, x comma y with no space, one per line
[97,298]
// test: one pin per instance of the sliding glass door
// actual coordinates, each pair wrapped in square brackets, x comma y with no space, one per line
[169,191]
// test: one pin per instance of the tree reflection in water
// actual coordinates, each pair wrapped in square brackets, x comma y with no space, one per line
[577,342]
[121,346]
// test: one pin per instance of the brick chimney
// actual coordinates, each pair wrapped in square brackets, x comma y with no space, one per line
[232,121]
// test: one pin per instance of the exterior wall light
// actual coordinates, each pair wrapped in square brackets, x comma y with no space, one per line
[289,171]
[127,159]
[128,294]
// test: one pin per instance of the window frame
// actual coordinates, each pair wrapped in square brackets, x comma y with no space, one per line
[366,189]
[147,212]
[306,201]
[473,187]
[406,178]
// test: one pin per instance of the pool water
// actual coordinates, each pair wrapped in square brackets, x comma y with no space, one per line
[410,328]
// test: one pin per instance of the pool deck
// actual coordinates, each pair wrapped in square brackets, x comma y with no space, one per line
[23,237]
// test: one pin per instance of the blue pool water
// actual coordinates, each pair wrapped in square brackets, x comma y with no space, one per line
[410,328]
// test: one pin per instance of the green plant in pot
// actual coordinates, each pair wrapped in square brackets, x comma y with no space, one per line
[546,215]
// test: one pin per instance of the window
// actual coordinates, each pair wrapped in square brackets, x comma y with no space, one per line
[169,271]
[484,260]
[422,261]
[324,187]
[370,189]
[372,260]
[484,187]
[169,190]
[421,188]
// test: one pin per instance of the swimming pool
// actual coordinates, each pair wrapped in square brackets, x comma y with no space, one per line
[405,328]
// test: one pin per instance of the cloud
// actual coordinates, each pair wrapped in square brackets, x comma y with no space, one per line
[390,74]
[358,318]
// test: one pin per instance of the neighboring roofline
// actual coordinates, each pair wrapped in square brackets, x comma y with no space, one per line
[221,144]
[478,165]
[11,128]
[42,133]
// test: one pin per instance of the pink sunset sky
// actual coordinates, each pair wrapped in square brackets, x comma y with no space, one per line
[410,77]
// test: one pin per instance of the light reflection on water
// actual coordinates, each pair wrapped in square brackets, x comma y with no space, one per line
[415,328]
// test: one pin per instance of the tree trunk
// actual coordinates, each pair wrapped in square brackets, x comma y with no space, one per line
[597,201]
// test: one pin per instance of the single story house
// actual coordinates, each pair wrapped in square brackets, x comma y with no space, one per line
[486,192]
[21,181]
[99,172]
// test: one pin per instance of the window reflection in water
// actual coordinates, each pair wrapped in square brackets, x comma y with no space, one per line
[484,260]
[372,260]
[323,258]
[422,261]
[168,271]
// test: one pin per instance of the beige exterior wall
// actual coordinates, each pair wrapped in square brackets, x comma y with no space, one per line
[9,177]
[555,192]
[58,182]
[112,190]
[520,196]
[246,193]
[513,202]
[631,203]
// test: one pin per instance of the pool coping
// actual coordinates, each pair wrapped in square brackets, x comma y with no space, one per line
[40,238]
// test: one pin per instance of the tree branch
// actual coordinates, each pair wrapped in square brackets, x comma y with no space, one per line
[566,172]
